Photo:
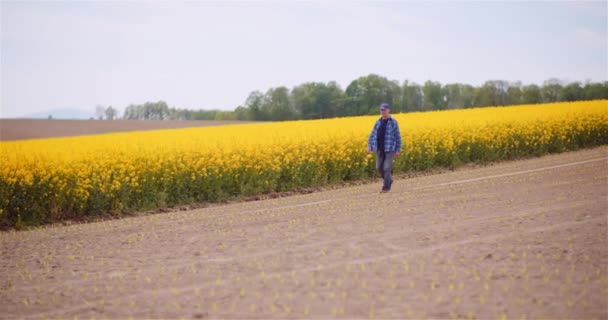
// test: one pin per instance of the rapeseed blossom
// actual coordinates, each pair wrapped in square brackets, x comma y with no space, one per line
[49,179]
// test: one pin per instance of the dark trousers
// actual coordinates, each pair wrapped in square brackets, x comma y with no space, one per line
[384,165]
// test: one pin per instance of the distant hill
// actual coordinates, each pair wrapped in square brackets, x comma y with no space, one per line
[65,113]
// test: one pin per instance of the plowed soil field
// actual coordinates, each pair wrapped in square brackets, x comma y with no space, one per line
[21,129]
[522,239]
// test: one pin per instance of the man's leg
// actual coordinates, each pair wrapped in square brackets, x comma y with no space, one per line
[387,167]
[380,155]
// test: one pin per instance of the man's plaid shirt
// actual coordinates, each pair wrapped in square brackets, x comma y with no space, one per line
[392,139]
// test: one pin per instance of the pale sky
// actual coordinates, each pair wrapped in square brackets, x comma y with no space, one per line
[211,55]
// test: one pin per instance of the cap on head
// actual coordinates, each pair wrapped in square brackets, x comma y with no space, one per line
[385,106]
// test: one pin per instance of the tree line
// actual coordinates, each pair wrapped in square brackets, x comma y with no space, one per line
[317,100]
[160,111]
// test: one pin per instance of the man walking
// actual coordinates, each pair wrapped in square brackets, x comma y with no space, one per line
[385,141]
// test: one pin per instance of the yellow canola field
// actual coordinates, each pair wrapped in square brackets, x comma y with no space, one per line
[50,179]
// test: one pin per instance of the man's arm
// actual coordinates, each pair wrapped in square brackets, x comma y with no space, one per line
[397,138]
[372,137]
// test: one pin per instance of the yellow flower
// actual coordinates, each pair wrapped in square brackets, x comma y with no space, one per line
[204,162]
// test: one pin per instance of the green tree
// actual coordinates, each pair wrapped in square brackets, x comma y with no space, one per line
[551,90]
[130,112]
[335,100]
[571,92]
[514,94]
[433,96]
[110,113]
[224,115]
[453,97]
[241,113]
[254,104]
[365,94]
[276,104]
[412,97]
[316,100]
[147,111]
[594,91]
[492,93]
[467,95]
[305,101]
[531,94]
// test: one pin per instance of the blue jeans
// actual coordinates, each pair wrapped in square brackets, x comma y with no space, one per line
[384,165]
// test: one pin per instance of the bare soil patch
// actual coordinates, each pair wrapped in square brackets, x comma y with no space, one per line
[20,129]
[522,239]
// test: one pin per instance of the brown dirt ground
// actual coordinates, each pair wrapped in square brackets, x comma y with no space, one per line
[522,239]
[20,129]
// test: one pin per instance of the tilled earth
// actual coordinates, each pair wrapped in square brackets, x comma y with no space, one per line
[23,129]
[523,239]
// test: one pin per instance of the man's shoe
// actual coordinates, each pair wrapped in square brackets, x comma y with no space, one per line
[385,190]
